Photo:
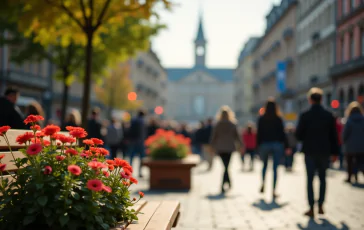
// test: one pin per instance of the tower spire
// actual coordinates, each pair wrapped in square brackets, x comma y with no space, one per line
[200,34]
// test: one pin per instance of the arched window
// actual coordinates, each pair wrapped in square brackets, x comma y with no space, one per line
[199,105]
[351,96]
[341,96]
[361,90]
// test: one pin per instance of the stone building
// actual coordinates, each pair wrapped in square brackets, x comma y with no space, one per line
[149,79]
[348,72]
[198,92]
[243,78]
[315,49]
[275,58]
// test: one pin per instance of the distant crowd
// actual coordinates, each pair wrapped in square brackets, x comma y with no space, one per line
[320,135]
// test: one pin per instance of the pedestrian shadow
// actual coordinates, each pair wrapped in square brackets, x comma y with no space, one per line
[323,224]
[221,196]
[357,185]
[264,206]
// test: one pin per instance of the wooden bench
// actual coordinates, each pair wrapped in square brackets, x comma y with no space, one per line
[157,215]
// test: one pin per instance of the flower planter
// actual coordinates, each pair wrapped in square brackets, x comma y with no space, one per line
[171,174]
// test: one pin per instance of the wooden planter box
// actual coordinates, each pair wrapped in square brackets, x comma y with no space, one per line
[171,174]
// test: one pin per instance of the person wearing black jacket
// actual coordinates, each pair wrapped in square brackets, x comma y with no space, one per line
[94,125]
[316,130]
[271,139]
[10,113]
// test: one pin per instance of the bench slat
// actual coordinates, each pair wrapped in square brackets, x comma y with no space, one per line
[9,177]
[137,208]
[164,217]
[10,166]
[144,218]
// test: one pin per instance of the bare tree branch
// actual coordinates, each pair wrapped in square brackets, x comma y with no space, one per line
[84,13]
[102,14]
[91,5]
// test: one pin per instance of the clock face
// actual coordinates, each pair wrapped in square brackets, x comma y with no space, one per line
[200,51]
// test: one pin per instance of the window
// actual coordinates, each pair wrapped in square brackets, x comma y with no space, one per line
[352,5]
[343,7]
[342,50]
[352,46]
[199,105]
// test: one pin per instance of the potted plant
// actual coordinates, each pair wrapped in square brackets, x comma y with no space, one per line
[59,185]
[170,160]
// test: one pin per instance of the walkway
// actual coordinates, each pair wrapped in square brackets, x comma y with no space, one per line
[244,208]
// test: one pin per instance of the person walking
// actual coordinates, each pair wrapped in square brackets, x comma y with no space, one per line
[223,140]
[114,137]
[271,139]
[292,144]
[316,130]
[250,144]
[94,125]
[10,113]
[353,134]
[206,147]
[339,130]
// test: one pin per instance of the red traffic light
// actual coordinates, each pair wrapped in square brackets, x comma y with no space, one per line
[158,110]
[335,104]
[132,96]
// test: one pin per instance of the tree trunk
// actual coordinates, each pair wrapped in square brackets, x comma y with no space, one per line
[111,103]
[87,80]
[64,98]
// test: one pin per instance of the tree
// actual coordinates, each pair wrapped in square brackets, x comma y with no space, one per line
[114,90]
[84,22]
[68,57]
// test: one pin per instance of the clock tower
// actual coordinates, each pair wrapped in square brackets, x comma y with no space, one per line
[200,46]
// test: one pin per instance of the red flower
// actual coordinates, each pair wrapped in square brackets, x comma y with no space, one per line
[71,152]
[35,127]
[97,141]
[78,132]
[65,139]
[47,170]
[106,173]
[40,134]
[121,163]
[74,169]
[2,156]
[110,162]
[46,143]
[4,129]
[126,183]
[106,188]
[50,130]
[104,152]
[2,167]
[70,128]
[111,167]
[141,194]
[60,158]
[83,155]
[134,199]
[33,119]
[95,185]
[88,142]
[128,168]
[125,174]
[23,138]
[34,149]
[96,165]
[133,180]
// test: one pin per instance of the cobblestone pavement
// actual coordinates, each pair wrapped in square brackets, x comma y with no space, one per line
[244,207]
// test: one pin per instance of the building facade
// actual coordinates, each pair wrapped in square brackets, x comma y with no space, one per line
[276,53]
[198,92]
[348,72]
[243,80]
[149,79]
[315,49]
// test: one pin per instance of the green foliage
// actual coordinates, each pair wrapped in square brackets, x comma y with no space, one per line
[61,199]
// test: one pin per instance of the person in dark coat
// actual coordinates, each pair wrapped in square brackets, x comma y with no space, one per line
[184,131]
[353,139]
[94,125]
[271,140]
[316,130]
[10,114]
[152,127]
[205,141]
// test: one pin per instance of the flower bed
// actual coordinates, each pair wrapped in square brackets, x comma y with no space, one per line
[69,188]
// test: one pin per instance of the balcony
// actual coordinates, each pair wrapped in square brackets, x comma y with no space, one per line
[349,67]
[27,79]
[351,14]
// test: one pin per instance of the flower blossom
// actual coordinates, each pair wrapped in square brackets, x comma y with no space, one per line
[47,170]
[75,170]
[34,149]
[96,165]
[23,138]
[97,141]
[141,194]
[4,129]
[94,185]
[133,180]
[106,173]
[2,156]
[71,152]
[88,142]
[106,188]
[33,119]
[50,130]
[78,132]
[2,167]
[35,127]
[60,158]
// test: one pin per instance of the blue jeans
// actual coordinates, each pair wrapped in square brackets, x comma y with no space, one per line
[315,164]
[277,150]
[289,159]
[134,149]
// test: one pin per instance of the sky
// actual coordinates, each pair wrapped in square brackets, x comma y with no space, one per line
[227,26]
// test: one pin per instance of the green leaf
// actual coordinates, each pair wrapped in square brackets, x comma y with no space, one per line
[75,195]
[28,220]
[99,219]
[39,186]
[105,226]
[78,207]
[53,184]
[64,219]
[68,201]
[42,200]
[32,210]
[47,212]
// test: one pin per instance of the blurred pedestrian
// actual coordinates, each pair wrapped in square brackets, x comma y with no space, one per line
[184,131]
[353,138]
[205,140]
[94,125]
[224,139]
[316,130]
[250,144]
[339,130]
[197,139]
[11,114]
[34,108]
[292,144]
[271,140]
[114,137]
[73,118]
[152,127]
